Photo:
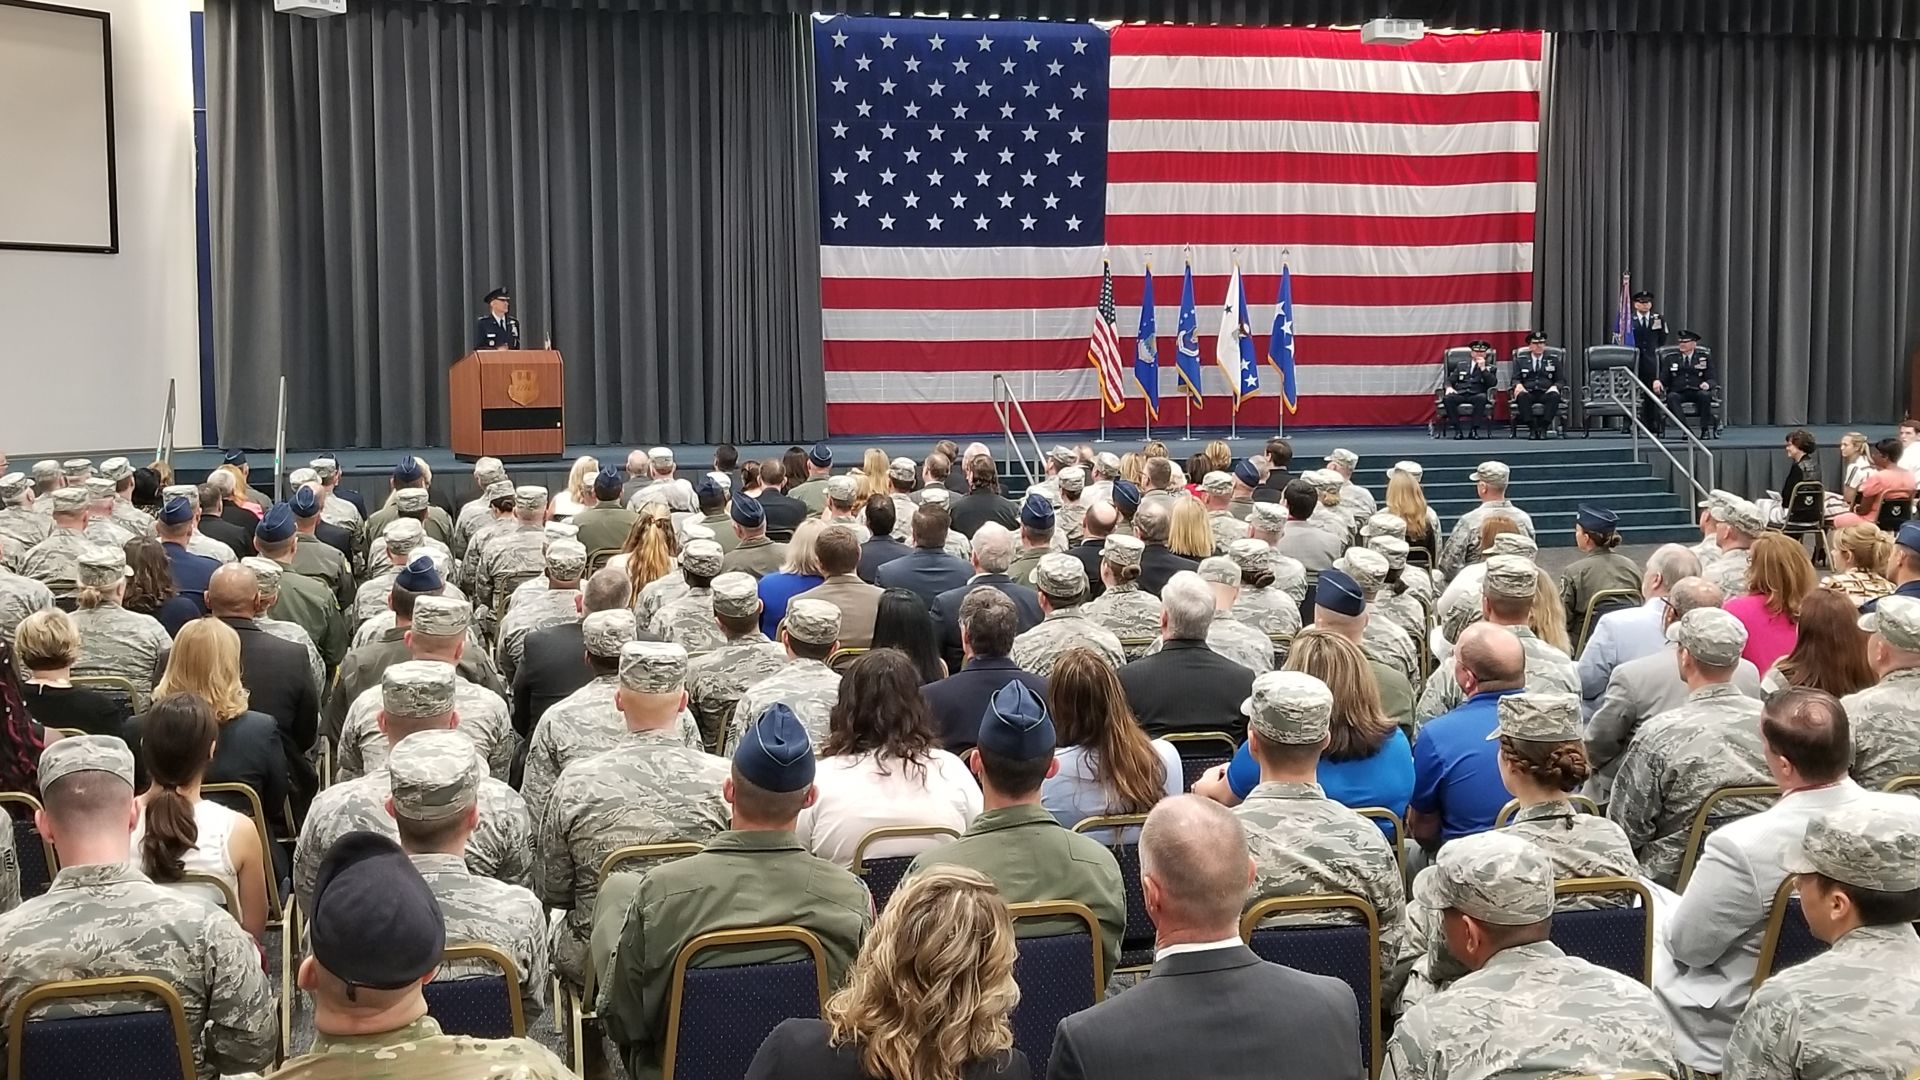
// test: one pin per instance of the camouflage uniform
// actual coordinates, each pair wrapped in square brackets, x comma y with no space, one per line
[689,622]
[537,610]
[1885,717]
[483,718]
[1267,610]
[1130,612]
[1729,571]
[1727,568]
[1579,846]
[1854,1010]
[268,574]
[1463,543]
[19,598]
[420,1051]
[21,527]
[716,681]
[1036,648]
[1548,671]
[808,687]
[113,640]
[52,561]
[515,551]
[490,475]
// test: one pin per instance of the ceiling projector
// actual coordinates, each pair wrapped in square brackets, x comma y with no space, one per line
[1393,31]
[311,9]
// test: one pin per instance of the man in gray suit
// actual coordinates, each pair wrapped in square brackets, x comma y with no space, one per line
[1207,1009]
[1642,689]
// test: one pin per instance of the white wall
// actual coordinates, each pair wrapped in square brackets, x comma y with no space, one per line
[89,341]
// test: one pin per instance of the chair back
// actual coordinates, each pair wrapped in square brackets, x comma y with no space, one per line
[483,1006]
[151,1044]
[1787,939]
[842,659]
[1598,605]
[717,1017]
[1904,783]
[1807,504]
[1133,648]
[1397,830]
[1895,510]
[118,687]
[38,862]
[1200,751]
[1058,974]
[199,879]
[1120,832]
[1350,953]
[1580,803]
[632,859]
[1716,810]
[1620,938]
[598,558]
[250,799]
[883,874]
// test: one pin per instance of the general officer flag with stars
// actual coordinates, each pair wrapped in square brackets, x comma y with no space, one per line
[1280,344]
[1234,353]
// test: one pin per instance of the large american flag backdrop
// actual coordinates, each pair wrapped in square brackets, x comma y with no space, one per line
[973,174]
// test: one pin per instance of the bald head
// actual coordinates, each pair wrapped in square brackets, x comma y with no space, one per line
[607,589]
[1666,568]
[1493,656]
[1100,519]
[1195,867]
[232,592]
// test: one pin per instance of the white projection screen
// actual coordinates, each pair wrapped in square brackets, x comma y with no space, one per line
[57,189]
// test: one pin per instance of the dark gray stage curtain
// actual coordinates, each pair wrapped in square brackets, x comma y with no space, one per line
[644,183]
[1763,188]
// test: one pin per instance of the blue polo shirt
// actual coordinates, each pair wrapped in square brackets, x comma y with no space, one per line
[1456,769]
[1383,778]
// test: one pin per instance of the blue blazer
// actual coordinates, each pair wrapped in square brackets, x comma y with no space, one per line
[958,701]
[191,574]
[877,553]
[924,572]
[488,335]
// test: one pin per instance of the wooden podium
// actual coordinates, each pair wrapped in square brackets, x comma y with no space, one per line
[509,404]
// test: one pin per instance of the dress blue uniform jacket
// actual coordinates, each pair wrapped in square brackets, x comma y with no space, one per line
[191,573]
[488,335]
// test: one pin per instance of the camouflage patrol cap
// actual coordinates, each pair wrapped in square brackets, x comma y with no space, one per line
[1219,570]
[14,487]
[1870,844]
[487,470]
[1368,568]
[1408,468]
[185,491]
[116,469]
[265,571]
[1710,635]
[1268,517]
[1062,456]
[1491,472]
[736,595]
[1250,555]
[1073,480]
[325,468]
[652,667]
[435,775]
[815,622]
[1289,707]
[98,488]
[607,632]
[1122,550]
[842,488]
[660,457]
[417,689]
[102,567]
[702,557]
[1742,516]
[566,560]
[1511,575]
[902,469]
[85,753]
[560,530]
[1217,483]
[529,499]
[1514,544]
[403,535]
[1392,548]
[1324,479]
[441,616]
[44,470]
[1538,718]
[499,489]
[1496,877]
[410,500]
[1716,501]
[1106,464]
[76,469]
[1344,457]
[1384,523]
[1896,619]
[303,477]
[1060,576]
[68,500]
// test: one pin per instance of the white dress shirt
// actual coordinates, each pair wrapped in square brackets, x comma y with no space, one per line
[1196,946]
[1910,457]
[860,793]
[1618,637]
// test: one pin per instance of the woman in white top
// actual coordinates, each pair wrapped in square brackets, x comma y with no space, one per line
[881,766]
[178,830]
[579,494]
[1107,763]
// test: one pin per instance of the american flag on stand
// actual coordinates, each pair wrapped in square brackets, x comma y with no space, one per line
[972,171]
[1103,347]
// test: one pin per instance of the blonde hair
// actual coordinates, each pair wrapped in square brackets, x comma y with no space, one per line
[206,661]
[1131,466]
[1854,439]
[873,476]
[1406,498]
[801,557]
[1190,534]
[1219,457]
[651,548]
[932,990]
[580,479]
[47,640]
[1153,449]
[1548,619]
[1780,570]
[1865,547]
[88,598]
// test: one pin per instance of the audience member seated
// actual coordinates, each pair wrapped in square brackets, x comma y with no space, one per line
[273,671]
[1861,552]
[129,925]
[838,551]
[992,554]
[1153,524]
[805,685]
[1120,604]
[1619,637]
[48,645]
[150,590]
[927,570]
[903,622]
[1737,524]
[928,998]
[1887,478]
[983,502]
[1886,717]
[1854,1010]
[1186,686]
[553,662]
[799,573]
[1687,753]
[1829,652]
[755,874]
[1016,843]
[1456,775]
[1061,581]
[1514,599]
[440,633]
[1903,566]
[988,624]
[114,641]
[1107,764]
[191,572]
[1710,944]
[716,681]
[879,515]
[1779,577]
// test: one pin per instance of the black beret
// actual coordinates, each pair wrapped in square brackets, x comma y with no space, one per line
[374,922]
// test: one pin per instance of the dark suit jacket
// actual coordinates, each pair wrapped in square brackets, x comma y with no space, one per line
[226,532]
[1212,1014]
[280,684]
[946,611]
[976,508]
[358,500]
[487,333]
[784,514]
[235,514]
[1158,563]
[335,537]
[1088,552]
[553,664]
[798,1049]
[924,572]
[1270,488]
[877,553]
[1187,687]
[958,701]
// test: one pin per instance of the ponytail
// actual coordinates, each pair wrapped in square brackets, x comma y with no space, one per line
[174,737]
[171,833]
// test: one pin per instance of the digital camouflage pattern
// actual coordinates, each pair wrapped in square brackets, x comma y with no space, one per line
[531,612]
[19,598]
[53,562]
[514,552]
[716,681]
[808,687]
[1463,543]
[1728,569]
[689,623]
[577,727]
[1226,528]
[484,718]
[655,594]
[1852,1012]
[1885,719]
[1036,648]
[480,910]
[420,1051]
[115,641]
[1386,641]
[1267,610]
[1130,612]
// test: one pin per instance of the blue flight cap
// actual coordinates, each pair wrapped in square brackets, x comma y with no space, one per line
[420,576]
[1909,536]
[1338,592]
[1126,495]
[1016,724]
[746,511]
[1036,513]
[177,511]
[234,457]
[821,455]
[276,525]
[1596,518]
[608,482]
[708,488]
[408,470]
[375,922]
[774,754]
[304,504]
[1246,472]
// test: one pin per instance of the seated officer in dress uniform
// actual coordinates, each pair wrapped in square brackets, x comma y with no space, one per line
[1688,376]
[1536,381]
[1471,385]
[497,329]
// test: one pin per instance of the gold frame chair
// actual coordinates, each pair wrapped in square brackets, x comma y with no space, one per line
[64,989]
[1054,909]
[893,832]
[1587,619]
[1903,783]
[844,655]
[1282,646]
[229,897]
[720,939]
[1262,910]
[1129,644]
[1580,803]
[480,950]
[136,698]
[1697,830]
[276,911]
[290,955]
[46,846]
[1770,937]
[1399,823]
[1644,896]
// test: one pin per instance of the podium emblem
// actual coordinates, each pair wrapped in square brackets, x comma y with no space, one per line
[523,386]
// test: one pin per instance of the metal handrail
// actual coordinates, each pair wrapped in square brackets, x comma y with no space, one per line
[163,449]
[1693,441]
[1006,406]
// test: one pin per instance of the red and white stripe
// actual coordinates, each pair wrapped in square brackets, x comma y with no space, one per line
[1399,181]
[1103,349]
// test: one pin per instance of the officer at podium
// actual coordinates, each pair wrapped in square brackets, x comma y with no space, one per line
[497,329]
[1688,378]
[1536,381]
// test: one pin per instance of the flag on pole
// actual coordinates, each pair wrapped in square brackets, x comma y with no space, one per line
[1623,313]
[1103,348]
[1280,345]
[1234,353]
[1187,347]
[1146,351]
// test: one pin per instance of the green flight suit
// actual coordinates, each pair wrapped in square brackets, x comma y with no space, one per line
[1397,697]
[320,561]
[604,525]
[741,880]
[1588,577]
[310,603]
[1025,562]
[1031,856]
[722,525]
[813,493]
